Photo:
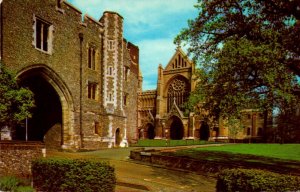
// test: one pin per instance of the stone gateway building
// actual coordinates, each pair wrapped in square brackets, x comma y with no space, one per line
[83,73]
[162,116]
[87,84]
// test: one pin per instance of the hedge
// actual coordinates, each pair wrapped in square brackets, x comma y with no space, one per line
[250,180]
[72,175]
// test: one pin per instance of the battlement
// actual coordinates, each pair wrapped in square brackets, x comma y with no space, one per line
[148,93]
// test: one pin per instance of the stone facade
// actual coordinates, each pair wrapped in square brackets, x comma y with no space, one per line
[83,72]
[162,116]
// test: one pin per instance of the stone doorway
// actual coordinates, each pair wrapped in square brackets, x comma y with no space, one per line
[176,129]
[117,137]
[150,131]
[204,131]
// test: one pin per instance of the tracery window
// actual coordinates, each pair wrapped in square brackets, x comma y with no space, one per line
[178,90]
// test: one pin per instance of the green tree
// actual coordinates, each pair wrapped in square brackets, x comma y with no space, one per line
[15,102]
[245,50]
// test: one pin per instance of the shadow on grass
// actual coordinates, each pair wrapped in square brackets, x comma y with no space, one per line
[234,160]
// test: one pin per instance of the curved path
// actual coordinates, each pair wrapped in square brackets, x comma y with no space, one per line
[135,177]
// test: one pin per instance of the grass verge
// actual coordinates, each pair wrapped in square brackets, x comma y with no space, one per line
[274,157]
[281,151]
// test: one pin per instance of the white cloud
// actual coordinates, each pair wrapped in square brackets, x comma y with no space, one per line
[150,24]
[136,11]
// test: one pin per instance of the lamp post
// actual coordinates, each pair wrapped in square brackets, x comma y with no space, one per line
[26,129]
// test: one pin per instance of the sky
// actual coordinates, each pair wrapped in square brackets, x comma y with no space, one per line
[152,25]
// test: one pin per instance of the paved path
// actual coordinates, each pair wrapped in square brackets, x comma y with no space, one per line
[136,177]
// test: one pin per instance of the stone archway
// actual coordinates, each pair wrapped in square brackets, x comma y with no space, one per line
[204,131]
[176,129]
[150,131]
[52,116]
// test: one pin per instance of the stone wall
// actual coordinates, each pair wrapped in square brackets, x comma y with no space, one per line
[16,157]
[171,161]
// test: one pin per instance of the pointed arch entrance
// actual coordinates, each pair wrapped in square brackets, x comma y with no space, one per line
[51,118]
[176,128]
[150,132]
[204,131]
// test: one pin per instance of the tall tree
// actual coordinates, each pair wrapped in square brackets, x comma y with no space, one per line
[248,53]
[246,50]
[219,20]
[15,102]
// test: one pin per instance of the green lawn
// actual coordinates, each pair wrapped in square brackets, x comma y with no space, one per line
[281,151]
[274,157]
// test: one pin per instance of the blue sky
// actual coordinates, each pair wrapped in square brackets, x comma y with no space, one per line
[149,24]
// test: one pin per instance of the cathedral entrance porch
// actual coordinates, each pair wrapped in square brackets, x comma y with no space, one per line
[176,129]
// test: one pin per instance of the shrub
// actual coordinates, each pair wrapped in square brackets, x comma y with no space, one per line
[9,183]
[72,175]
[250,180]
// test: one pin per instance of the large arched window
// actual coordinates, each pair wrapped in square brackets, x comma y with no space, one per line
[178,90]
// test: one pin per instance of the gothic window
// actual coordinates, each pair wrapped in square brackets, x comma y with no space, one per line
[110,97]
[97,127]
[248,131]
[259,132]
[178,91]
[110,71]
[126,73]
[91,58]
[43,35]
[125,99]
[111,45]
[249,116]
[92,89]
[58,2]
